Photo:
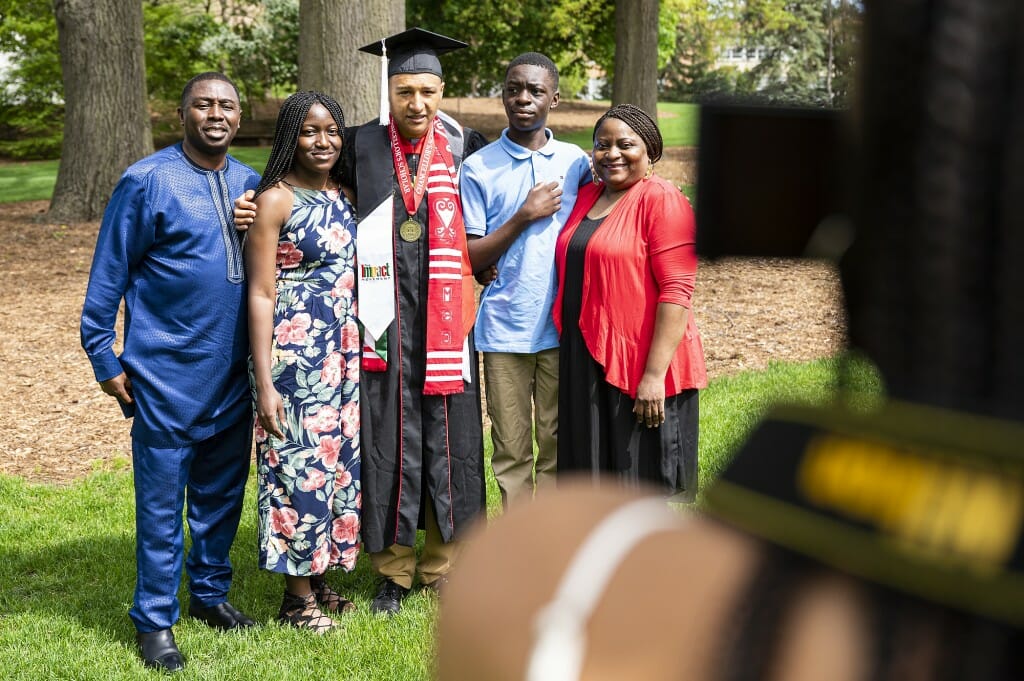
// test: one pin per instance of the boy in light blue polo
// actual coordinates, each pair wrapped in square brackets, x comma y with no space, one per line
[517,192]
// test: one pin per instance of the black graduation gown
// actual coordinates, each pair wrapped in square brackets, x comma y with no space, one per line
[414,446]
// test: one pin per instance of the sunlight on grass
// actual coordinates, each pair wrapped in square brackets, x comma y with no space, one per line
[68,569]
[34,180]
[27,180]
[731,406]
[677,121]
[254,157]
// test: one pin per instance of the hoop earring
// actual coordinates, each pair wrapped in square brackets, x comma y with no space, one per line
[594,176]
[650,171]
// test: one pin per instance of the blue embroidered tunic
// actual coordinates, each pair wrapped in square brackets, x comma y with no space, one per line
[168,247]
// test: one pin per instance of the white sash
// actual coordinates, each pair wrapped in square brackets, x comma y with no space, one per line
[376,257]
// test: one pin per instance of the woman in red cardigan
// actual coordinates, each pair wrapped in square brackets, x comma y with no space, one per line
[631,359]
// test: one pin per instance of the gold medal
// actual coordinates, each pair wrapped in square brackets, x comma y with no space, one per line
[410,230]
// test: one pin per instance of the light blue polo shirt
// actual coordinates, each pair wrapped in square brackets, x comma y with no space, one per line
[515,309]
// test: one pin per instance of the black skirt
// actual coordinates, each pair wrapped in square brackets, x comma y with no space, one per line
[597,431]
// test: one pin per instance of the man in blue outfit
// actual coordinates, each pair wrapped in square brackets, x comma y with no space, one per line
[169,248]
[517,193]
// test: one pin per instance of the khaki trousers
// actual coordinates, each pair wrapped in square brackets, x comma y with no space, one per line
[522,398]
[398,563]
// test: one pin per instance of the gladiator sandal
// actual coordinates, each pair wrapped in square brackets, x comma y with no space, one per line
[330,599]
[302,612]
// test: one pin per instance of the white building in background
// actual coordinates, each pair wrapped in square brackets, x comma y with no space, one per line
[740,58]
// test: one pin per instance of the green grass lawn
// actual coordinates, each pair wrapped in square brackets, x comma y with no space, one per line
[34,180]
[677,121]
[254,157]
[68,569]
[27,180]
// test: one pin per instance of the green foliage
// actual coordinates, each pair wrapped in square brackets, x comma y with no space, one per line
[31,130]
[28,31]
[31,93]
[794,34]
[809,49]
[174,33]
[258,46]
[573,33]
[253,41]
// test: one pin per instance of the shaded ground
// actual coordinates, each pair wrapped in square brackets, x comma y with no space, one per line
[59,425]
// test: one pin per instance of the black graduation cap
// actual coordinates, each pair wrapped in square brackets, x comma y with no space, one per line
[412,51]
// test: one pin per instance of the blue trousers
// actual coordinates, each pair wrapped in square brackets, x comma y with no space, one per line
[214,472]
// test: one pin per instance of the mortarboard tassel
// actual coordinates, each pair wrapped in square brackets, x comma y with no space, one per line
[384,107]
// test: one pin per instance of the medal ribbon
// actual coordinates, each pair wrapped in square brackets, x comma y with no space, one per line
[412,190]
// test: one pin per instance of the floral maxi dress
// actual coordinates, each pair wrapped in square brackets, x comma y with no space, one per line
[309,490]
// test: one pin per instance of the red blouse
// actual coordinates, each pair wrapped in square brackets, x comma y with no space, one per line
[643,254]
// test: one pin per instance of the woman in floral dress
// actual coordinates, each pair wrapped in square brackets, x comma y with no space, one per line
[300,259]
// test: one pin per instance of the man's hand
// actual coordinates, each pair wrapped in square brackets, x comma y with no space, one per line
[119,386]
[487,275]
[245,210]
[544,199]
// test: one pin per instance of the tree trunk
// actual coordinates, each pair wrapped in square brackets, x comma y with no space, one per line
[329,61]
[106,120]
[636,54]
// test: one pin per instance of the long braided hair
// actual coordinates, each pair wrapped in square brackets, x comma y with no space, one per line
[641,123]
[286,135]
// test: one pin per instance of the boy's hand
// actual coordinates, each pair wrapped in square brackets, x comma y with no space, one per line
[544,199]
[487,275]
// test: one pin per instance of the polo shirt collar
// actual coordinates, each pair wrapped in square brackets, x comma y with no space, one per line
[521,153]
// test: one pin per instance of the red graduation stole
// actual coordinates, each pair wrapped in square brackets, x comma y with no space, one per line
[450,295]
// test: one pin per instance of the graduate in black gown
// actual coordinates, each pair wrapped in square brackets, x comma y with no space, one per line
[422,439]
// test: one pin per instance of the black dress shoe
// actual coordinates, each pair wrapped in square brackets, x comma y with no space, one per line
[389,598]
[159,651]
[244,621]
[223,616]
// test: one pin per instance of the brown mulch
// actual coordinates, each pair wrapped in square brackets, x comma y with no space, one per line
[61,426]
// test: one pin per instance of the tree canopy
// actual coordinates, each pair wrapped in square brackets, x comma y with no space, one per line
[253,41]
[793,51]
